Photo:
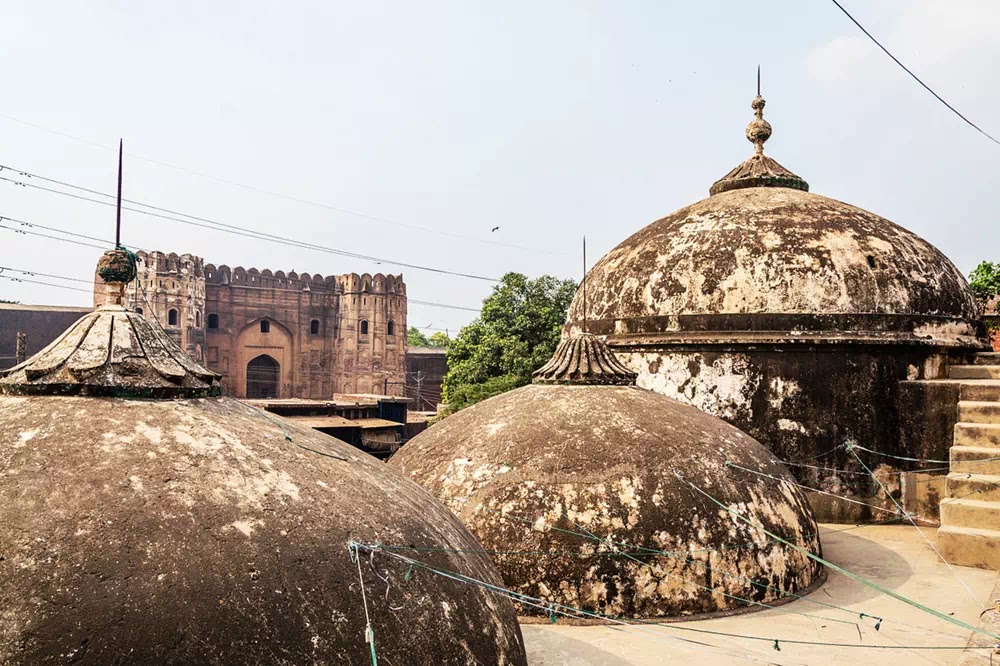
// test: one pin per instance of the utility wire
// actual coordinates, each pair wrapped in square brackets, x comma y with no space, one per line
[47,284]
[286,197]
[36,273]
[379,327]
[914,76]
[246,233]
[32,224]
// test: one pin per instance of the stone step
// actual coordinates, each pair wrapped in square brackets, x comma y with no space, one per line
[974,372]
[981,390]
[977,434]
[974,486]
[968,459]
[987,358]
[971,411]
[970,547]
[977,514]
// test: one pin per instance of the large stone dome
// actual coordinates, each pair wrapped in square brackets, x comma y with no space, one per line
[577,487]
[763,260]
[781,252]
[189,529]
[804,321]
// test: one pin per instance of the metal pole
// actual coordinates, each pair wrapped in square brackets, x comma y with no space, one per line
[584,284]
[21,349]
[118,208]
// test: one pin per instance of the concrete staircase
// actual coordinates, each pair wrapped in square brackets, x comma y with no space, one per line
[970,513]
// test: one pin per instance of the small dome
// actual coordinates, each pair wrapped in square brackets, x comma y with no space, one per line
[181,529]
[557,478]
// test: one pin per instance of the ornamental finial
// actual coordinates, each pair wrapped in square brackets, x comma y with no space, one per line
[759,130]
[117,267]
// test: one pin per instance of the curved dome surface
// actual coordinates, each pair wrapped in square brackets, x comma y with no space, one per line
[204,531]
[779,251]
[574,488]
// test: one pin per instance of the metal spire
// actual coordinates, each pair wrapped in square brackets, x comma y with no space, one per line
[118,208]
[584,284]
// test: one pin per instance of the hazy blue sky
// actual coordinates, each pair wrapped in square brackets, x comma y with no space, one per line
[550,119]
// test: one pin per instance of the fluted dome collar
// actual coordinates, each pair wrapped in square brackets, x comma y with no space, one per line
[111,352]
[584,359]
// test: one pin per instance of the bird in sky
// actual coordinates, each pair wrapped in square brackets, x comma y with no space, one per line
[494,229]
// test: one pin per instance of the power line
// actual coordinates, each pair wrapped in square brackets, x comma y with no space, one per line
[442,305]
[915,77]
[48,275]
[353,320]
[286,197]
[47,284]
[41,235]
[66,240]
[238,231]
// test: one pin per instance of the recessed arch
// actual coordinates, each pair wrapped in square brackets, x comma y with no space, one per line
[263,378]
[172,317]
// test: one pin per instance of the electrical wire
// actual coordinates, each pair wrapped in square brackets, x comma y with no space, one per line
[241,286]
[286,197]
[373,325]
[249,233]
[914,76]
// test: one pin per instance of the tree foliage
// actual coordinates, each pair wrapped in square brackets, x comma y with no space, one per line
[515,334]
[439,339]
[414,338]
[984,281]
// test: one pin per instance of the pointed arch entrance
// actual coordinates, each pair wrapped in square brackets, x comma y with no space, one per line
[263,378]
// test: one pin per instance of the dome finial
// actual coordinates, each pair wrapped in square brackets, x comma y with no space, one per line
[759,130]
[117,267]
[760,170]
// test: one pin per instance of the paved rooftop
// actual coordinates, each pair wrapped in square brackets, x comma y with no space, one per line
[895,557]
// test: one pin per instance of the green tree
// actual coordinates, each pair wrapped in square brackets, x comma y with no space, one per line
[415,338]
[439,339]
[985,283]
[515,334]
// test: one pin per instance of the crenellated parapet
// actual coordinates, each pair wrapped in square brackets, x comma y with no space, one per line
[179,265]
[339,284]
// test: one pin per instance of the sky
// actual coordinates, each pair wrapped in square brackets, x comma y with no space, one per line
[408,131]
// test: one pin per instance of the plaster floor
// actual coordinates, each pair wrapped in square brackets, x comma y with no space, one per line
[895,557]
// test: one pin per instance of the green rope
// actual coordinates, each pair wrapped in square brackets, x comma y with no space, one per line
[849,574]
[850,448]
[564,609]
[288,437]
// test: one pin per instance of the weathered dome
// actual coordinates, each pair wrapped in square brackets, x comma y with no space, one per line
[763,245]
[203,530]
[574,487]
[783,252]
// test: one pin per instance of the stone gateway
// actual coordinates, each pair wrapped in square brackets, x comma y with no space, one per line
[277,335]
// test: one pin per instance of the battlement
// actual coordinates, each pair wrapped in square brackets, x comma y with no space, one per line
[179,265]
[340,284]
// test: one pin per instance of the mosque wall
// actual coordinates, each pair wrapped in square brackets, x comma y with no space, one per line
[805,401]
[281,335]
